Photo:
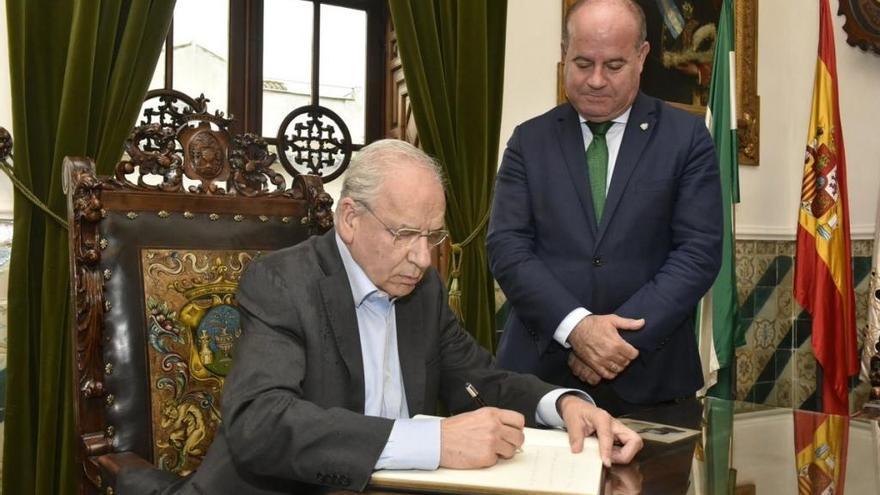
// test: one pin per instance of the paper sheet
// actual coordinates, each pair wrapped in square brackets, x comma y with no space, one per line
[546,465]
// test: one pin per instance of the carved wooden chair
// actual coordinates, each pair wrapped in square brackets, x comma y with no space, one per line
[156,252]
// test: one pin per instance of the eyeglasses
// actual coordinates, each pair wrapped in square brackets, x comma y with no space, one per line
[407,237]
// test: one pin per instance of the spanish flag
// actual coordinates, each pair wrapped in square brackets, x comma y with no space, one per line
[820,444]
[823,282]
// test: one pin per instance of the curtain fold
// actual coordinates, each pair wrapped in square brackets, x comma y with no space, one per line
[78,73]
[452,53]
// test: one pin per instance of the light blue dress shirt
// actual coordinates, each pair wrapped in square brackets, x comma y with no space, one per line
[413,443]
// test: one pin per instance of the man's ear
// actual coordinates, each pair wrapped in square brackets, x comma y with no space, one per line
[643,54]
[346,219]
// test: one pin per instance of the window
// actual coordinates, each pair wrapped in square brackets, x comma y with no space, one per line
[255,61]
[195,59]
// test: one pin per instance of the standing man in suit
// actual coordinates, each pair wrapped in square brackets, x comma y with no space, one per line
[606,225]
[346,336]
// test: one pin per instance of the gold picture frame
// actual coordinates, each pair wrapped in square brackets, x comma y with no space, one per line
[748,101]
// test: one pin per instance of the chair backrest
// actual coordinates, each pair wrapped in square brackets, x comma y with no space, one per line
[156,252]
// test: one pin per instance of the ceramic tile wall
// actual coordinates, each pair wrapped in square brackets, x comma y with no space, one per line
[775,364]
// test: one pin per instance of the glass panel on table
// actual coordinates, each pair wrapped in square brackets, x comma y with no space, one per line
[748,449]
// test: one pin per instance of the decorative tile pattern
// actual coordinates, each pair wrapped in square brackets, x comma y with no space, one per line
[776,365]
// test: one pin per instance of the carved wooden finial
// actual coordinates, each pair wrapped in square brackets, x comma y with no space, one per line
[5,144]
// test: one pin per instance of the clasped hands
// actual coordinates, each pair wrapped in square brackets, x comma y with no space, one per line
[598,350]
[479,438]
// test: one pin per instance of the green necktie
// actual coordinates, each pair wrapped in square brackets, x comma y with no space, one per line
[597,165]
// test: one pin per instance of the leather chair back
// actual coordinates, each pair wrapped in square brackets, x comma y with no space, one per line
[156,252]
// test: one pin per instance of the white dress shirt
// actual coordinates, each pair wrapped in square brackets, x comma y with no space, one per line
[613,138]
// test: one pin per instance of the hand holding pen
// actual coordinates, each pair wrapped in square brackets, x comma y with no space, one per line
[479,438]
[475,395]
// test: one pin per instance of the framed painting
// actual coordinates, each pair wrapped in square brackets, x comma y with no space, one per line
[679,66]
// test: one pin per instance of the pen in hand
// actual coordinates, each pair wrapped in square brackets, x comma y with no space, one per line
[472,391]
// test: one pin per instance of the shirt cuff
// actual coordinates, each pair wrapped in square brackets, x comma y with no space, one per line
[412,444]
[547,415]
[567,325]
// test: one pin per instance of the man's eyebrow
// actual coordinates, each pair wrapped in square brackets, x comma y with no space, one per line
[581,58]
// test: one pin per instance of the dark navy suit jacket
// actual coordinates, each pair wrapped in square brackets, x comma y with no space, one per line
[654,254]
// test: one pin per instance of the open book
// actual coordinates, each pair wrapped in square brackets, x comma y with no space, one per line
[545,465]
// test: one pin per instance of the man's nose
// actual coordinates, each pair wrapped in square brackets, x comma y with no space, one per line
[596,77]
[420,253]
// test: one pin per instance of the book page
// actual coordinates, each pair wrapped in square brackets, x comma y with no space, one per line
[545,465]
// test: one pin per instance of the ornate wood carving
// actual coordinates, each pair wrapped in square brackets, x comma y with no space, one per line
[167,107]
[158,157]
[399,122]
[862,24]
[314,140]
[84,213]
[204,155]
[201,150]
[251,161]
[5,144]
[310,188]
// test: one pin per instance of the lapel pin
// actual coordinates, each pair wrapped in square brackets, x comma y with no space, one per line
[644,126]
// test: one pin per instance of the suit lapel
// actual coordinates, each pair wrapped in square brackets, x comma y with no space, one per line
[339,308]
[571,140]
[410,350]
[639,128]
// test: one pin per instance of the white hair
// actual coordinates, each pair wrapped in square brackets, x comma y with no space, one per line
[371,164]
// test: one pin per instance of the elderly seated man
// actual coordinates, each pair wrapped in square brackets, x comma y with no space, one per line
[348,335]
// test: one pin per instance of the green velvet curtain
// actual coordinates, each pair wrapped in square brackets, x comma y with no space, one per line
[79,71]
[453,60]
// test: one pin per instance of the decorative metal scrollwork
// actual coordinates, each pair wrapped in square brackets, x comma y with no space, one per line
[314,140]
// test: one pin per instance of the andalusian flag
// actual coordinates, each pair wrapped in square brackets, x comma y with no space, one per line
[718,320]
[820,443]
[823,281]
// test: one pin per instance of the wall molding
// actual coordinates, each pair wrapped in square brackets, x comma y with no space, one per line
[768,233]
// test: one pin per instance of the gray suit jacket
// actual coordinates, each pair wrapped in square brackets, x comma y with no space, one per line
[293,403]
